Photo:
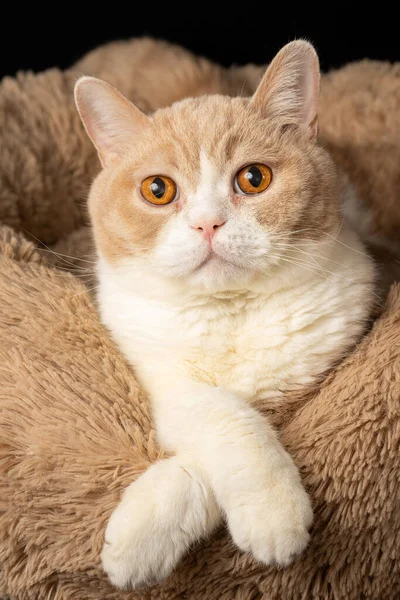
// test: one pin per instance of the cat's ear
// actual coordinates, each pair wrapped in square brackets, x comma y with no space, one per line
[111,121]
[289,89]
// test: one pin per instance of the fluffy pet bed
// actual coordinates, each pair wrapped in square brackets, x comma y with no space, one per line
[75,427]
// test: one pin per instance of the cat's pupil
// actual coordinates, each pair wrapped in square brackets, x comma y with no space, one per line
[158,187]
[254,176]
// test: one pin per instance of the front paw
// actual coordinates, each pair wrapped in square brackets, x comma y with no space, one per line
[164,511]
[273,526]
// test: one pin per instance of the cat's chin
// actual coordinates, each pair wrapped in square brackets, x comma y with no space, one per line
[217,274]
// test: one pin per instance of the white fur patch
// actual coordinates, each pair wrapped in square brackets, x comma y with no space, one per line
[204,354]
[209,200]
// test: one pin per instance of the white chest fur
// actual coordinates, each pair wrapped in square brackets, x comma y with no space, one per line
[281,333]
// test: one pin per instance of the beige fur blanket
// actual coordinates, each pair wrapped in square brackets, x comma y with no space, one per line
[75,427]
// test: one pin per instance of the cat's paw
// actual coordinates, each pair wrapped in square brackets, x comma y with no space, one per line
[273,526]
[160,515]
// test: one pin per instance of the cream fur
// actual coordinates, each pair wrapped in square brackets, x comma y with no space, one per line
[210,334]
[204,358]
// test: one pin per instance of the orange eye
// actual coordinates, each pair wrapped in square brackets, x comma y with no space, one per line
[253,179]
[158,189]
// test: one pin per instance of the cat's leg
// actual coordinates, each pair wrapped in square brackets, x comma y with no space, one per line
[163,512]
[223,445]
[255,481]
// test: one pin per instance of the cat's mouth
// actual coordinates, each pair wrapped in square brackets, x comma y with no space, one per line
[213,258]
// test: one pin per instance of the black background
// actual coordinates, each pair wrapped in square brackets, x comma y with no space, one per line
[36,39]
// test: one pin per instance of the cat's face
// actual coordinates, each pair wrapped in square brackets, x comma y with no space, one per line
[211,191]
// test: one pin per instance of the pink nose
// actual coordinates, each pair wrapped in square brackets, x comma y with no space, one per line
[208,227]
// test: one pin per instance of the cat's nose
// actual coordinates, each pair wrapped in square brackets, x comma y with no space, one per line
[208,227]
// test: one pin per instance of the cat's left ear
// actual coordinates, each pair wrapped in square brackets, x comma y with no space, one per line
[111,121]
[289,90]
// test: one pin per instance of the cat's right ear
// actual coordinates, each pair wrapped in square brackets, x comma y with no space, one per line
[111,121]
[289,89]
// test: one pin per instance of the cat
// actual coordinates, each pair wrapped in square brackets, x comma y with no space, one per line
[227,275]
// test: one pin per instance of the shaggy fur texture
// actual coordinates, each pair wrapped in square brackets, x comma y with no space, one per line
[75,428]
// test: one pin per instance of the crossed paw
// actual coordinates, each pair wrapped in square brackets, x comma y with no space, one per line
[171,506]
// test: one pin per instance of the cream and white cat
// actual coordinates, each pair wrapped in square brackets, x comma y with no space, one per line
[227,275]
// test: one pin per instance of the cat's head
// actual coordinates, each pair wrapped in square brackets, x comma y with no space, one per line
[211,191]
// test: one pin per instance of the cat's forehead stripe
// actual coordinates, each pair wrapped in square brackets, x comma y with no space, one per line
[209,172]
[211,181]
[207,168]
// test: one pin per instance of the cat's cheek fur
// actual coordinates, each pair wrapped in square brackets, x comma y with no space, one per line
[242,249]
[180,250]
